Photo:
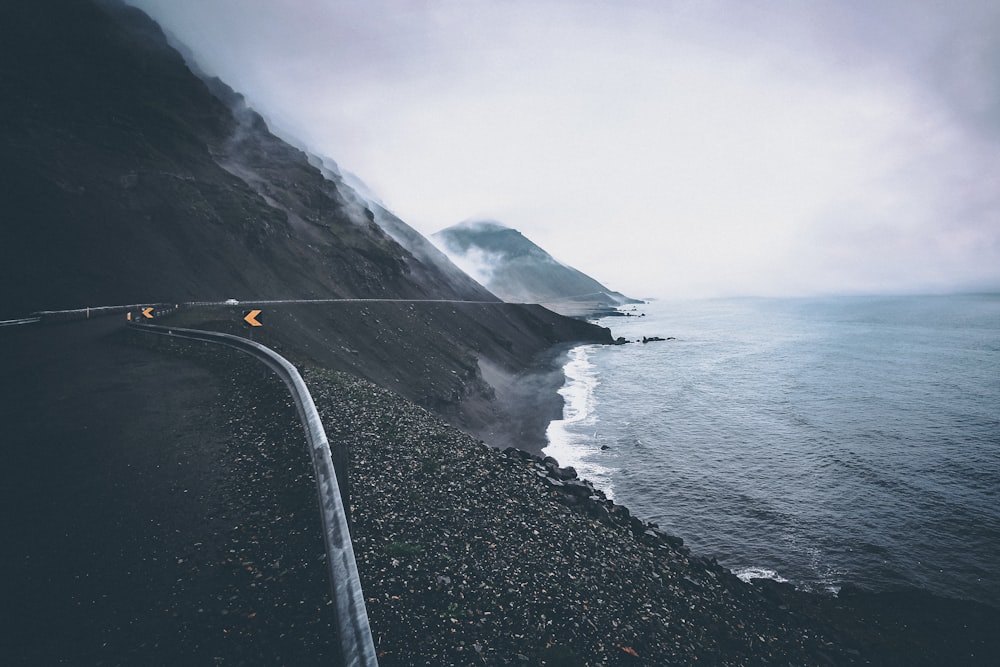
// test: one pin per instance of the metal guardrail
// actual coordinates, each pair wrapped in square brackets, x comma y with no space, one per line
[23,321]
[98,311]
[49,316]
[357,647]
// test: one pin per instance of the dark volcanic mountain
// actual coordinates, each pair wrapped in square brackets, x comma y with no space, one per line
[124,177]
[518,271]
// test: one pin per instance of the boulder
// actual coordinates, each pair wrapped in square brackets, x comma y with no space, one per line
[569,472]
[578,487]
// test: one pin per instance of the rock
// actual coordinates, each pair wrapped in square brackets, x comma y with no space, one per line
[598,511]
[578,487]
[569,472]
[653,532]
[518,454]
[620,513]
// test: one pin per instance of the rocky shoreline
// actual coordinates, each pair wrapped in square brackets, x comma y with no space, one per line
[470,555]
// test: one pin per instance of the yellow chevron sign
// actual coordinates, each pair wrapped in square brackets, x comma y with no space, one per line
[251,318]
[147,313]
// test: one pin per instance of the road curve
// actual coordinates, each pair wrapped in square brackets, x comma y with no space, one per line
[144,516]
[349,602]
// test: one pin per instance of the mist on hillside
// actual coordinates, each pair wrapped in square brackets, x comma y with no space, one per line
[676,149]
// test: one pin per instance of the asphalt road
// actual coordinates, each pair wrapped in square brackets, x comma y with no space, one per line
[157,508]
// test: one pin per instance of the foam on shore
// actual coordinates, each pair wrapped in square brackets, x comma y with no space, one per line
[572,439]
[748,574]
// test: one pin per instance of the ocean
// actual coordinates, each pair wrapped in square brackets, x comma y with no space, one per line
[824,442]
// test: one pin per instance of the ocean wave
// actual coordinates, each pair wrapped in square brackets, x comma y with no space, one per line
[748,574]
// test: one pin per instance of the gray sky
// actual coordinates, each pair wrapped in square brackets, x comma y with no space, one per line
[667,148]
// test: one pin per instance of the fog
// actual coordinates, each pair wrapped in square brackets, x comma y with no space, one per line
[665,148]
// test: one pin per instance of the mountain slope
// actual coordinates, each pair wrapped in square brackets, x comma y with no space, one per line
[518,271]
[360,201]
[125,178]
[127,172]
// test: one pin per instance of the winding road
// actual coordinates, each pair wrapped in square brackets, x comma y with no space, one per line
[142,519]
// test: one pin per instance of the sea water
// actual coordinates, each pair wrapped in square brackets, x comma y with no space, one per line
[819,441]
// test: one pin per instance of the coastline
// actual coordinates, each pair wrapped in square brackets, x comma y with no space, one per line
[469,555]
[767,417]
[472,555]
[563,434]
[531,400]
[894,626]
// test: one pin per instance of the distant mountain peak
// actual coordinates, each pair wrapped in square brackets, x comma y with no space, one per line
[489,237]
[516,269]
[482,225]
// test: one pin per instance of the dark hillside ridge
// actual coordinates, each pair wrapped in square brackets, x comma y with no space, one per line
[518,271]
[127,178]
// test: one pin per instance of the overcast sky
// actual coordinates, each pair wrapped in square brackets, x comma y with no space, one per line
[667,148]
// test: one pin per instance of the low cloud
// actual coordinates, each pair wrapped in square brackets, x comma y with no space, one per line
[721,147]
[477,263]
